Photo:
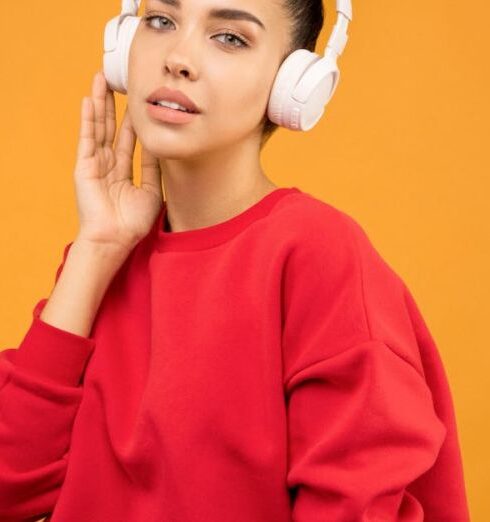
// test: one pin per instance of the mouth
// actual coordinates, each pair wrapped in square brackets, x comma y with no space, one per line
[173,107]
[169,115]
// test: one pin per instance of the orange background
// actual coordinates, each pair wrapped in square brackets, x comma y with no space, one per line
[402,148]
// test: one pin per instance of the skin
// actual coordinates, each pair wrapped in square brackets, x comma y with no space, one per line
[210,167]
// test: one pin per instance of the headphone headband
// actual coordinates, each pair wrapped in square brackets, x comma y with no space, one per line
[130,7]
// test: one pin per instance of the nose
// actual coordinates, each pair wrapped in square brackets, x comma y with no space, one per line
[178,61]
[177,69]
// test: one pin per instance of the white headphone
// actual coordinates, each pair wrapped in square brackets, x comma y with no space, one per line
[304,84]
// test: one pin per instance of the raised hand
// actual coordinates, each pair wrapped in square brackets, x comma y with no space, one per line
[112,210]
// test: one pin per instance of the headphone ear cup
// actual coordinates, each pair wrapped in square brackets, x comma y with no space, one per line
[281,109]
[118,37]
[304,84]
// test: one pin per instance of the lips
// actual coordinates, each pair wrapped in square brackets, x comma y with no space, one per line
[171,95]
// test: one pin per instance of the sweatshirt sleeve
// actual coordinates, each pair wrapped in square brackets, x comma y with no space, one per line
[371,429]
[40,392]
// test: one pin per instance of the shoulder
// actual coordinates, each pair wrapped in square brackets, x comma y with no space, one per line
[315,229]
[307,215]
[333,268]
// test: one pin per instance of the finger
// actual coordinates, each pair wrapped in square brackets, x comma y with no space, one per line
[125,141]
[110,117]
[98,97]
[86,142]
[151,175]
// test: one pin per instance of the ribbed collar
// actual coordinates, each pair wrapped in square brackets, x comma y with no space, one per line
[207,237]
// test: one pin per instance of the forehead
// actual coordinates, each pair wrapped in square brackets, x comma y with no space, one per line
[256,11]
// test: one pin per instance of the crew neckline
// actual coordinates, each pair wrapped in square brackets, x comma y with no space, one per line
[206,237]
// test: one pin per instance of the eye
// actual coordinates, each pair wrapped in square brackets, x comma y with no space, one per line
[235,38]
[241,41]
[149,19]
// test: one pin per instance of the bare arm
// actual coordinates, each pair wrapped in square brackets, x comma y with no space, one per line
[76,297]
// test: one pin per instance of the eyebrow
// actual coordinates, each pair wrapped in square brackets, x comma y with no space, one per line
[222,13]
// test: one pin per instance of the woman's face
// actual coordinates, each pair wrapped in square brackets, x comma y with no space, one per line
[229,77]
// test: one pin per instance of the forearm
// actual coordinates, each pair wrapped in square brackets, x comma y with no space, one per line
[76,297]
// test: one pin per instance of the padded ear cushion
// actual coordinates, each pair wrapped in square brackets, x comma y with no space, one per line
[116,62]
[282,108]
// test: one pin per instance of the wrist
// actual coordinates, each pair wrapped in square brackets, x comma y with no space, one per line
[102,251]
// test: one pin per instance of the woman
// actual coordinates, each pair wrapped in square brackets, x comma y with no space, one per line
[239,352]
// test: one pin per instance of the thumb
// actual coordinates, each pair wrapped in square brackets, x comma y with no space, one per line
[151,175]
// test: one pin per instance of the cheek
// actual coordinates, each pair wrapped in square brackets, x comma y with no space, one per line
[241,89]
[135,60]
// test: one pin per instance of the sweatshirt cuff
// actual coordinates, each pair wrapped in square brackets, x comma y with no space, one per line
[52,353]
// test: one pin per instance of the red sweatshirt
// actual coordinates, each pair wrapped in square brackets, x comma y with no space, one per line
[269,368]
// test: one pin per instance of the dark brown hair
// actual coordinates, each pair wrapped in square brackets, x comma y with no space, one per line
[306,18]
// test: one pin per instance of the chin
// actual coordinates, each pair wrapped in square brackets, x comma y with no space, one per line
[164,145]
